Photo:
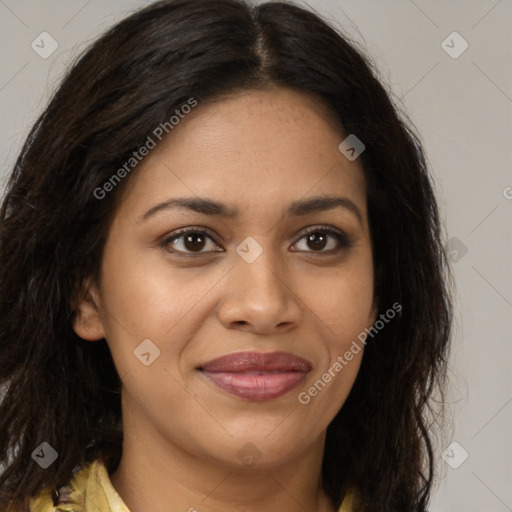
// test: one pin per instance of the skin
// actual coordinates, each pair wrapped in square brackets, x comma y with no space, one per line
[259,151]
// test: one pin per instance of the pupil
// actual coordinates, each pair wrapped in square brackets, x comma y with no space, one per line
[315,237]
[194,241]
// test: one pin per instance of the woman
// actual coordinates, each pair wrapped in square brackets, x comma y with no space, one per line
[215,247]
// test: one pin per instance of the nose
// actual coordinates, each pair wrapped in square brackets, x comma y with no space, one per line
[260,297]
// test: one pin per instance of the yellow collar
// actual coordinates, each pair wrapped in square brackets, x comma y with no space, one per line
[90,490]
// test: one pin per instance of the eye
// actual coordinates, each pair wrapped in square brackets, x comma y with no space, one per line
[193,241]
[189,241]
[317,239]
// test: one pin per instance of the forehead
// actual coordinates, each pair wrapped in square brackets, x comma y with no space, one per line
[251,148]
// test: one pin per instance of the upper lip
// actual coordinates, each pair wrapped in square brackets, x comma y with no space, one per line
[257,361]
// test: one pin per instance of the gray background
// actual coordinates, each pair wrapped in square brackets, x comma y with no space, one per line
[462,107]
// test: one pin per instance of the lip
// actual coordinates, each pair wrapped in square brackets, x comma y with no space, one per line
[257,375]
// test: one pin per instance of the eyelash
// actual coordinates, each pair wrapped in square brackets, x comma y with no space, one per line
[343,240]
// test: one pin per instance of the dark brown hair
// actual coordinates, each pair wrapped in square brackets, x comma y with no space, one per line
[65,391]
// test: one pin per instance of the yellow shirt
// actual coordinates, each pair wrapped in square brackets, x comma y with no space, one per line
[90,490]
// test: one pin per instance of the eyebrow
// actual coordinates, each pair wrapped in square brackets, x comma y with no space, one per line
[211,207]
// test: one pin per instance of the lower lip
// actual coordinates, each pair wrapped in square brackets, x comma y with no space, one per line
[256,385]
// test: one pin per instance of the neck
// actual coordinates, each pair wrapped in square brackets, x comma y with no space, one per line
[155,473]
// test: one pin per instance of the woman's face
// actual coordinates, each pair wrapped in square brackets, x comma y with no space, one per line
[254,285]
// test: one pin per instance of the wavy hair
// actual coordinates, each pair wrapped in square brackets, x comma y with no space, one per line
[65,391]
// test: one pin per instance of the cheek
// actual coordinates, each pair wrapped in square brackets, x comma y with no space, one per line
[343,302]
[144,298]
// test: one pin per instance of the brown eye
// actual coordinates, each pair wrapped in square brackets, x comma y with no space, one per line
[317,240]
[194,241]
[190,241]
[324,240]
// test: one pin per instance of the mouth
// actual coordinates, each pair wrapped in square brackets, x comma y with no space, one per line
[256,375]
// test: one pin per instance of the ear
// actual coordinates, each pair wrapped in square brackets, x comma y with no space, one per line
[87,321]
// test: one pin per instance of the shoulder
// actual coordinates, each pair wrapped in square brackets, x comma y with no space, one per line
[88,490]
[348,503]
[43,502]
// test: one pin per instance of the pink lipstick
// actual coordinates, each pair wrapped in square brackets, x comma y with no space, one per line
[256,375]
